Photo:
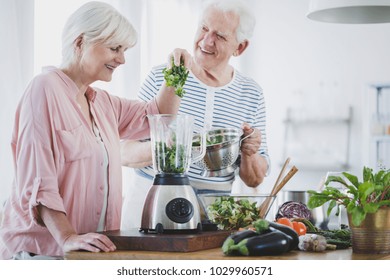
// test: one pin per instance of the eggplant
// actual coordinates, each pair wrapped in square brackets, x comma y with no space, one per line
[270,243]
[243,234]
[290,232]
[235,238]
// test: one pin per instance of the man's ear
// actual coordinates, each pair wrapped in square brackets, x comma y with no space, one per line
[241,48]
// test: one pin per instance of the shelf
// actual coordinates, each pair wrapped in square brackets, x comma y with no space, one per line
[329,120]
[315,153]
[381,138]
[317,121]
[380,86]
[321,167]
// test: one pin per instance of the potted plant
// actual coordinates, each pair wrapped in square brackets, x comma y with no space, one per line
[367,204]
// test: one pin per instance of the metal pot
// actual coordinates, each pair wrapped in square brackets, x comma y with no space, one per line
[373,235]
[222,151]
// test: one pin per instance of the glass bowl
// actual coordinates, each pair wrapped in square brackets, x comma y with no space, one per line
[233,211]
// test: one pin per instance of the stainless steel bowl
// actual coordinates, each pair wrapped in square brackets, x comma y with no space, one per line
[222,150]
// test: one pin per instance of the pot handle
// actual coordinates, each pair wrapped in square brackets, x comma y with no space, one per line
[249,135]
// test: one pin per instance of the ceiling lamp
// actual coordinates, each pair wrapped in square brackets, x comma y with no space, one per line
[350,11]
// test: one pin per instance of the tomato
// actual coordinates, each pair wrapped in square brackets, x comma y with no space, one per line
[299,227]
[285,221]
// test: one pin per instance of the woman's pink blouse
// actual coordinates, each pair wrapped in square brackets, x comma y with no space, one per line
[58,162]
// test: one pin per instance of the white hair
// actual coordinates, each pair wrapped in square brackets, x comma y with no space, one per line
[247,19]
[96,22]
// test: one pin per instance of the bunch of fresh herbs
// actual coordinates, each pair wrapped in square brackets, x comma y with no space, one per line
[360,198]
[176,76]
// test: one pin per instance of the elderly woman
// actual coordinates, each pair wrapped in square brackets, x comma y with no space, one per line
[66,143]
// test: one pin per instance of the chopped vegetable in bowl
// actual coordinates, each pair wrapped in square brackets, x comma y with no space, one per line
[231,212]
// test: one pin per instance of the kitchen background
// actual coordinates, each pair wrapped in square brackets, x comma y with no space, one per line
[317,77]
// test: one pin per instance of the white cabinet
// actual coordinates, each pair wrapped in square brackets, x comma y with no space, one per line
[379,125]
[320,143]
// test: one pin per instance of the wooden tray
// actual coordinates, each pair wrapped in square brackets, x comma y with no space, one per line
[172,242]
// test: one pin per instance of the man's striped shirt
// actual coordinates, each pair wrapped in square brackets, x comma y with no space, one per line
[228,106]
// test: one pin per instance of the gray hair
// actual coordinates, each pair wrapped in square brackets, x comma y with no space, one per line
[247,19]
[96,22]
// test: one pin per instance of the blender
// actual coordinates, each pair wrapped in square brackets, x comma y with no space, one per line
[171,203]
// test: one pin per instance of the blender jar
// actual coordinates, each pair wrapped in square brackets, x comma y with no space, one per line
[171,138]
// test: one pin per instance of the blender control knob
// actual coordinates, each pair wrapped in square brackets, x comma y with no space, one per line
[179,210]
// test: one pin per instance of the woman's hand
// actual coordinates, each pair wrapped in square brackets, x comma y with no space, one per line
[93,242]
[63,232]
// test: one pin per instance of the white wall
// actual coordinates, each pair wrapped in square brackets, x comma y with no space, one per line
[291,54]
[16,48]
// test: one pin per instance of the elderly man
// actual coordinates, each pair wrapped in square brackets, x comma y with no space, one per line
[217,95]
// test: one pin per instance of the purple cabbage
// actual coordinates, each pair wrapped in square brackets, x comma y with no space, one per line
[293,209]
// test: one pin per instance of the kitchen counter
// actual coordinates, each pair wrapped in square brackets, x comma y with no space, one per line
[216,254]
[133,245]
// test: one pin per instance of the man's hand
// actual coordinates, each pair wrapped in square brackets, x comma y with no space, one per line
[179,55]
[253,167]
[250,145]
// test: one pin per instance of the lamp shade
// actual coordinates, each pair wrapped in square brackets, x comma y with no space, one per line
[350,11]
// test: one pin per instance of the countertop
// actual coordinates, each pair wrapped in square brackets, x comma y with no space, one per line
[216,254]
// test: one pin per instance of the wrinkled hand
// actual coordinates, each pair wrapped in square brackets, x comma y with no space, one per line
[93,242]
[250,145]
[180,54]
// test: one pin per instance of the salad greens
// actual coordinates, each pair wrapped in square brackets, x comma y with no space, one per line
[218,139]
[214,140]
[176,76]
[232,214]
[172,159]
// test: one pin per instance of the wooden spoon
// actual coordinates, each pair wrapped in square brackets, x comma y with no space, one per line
[266,204]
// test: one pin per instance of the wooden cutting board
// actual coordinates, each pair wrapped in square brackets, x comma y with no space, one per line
[167,242]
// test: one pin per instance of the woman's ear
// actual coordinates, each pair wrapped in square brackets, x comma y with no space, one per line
[78,44]
[241,48]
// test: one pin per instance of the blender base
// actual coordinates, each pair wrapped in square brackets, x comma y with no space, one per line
[171,206]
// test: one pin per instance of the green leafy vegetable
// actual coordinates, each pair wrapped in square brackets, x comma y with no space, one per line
[360,198]
[218,139]
[232,214]
[176,76]
[172,159]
